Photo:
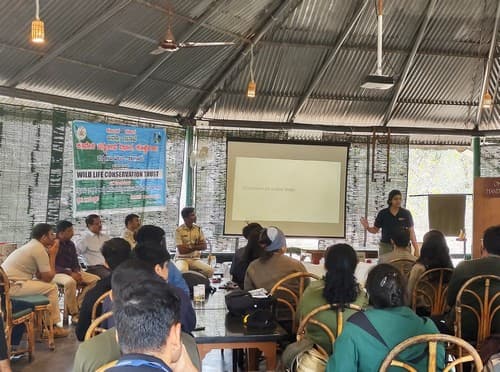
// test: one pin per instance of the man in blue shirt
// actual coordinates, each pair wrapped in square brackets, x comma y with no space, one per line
[147,315]
[157,234]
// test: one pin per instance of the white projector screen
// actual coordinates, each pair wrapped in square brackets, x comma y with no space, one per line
[299,188]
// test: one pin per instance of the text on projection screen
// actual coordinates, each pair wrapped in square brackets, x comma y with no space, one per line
[286,190]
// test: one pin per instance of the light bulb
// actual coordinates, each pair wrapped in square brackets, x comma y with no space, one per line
[37,31]
[251,91]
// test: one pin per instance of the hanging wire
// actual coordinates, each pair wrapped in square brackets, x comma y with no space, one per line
[252,77]
[37,12]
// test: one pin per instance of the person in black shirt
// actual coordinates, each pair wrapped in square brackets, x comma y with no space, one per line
[115,251]
[392,220]
[243,256]
[147,315]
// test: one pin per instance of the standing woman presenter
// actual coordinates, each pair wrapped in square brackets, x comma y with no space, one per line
[391,220]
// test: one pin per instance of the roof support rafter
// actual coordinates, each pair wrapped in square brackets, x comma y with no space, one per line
[330,58]
[144,75]
[76,103]
[29,71]
[489,64]
[342,128]
[409,62]
[275,18]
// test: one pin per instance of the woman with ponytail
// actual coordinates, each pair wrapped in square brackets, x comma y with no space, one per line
[370,335]
[339,286]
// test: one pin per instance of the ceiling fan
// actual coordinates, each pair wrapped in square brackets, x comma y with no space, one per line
[169,44]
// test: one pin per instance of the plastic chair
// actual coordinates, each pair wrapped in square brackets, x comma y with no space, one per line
[432,286]
[432,341]
[95,327]
[333,335]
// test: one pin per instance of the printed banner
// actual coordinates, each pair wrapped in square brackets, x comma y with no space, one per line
[118,168]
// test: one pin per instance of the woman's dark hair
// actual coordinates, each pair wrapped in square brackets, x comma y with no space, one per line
[386,287]
[434,253]
[252,250]
[340,283]
[392,194]
[263,242]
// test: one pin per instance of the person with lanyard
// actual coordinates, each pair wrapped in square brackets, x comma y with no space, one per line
[147,316]
[392,220]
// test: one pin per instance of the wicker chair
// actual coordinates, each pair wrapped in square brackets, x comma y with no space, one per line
[484,305]
[11,319]
[292,299]
[106,366]
[432,286]
[97,303]
[95,327]
[310,319]
[432,341]
[404,265]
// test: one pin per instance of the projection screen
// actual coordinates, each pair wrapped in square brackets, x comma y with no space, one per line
[300,188]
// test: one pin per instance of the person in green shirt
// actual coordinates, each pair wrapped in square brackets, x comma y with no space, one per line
[370,335]
[338,286]
[103,348]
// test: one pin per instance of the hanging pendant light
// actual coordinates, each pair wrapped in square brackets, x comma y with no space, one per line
[252,87]
[37,26]
[487,101]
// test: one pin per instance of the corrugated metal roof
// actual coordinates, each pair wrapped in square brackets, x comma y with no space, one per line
[261,108]
[77,81]
[434,116]
[458,26]
[442,89]
[280,71]
[349,113]
[444,78]
[401,20]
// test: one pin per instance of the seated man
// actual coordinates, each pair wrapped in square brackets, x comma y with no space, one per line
[104,348]
[132,224]
[488,264]
[157,234]
[190,241]
[147,315]
[157,258]
[36,258]
[89,246]
[68,271]
[115,251]
[400,251]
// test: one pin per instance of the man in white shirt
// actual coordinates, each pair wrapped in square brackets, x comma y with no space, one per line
[89,246]
[132,225]
[31,269]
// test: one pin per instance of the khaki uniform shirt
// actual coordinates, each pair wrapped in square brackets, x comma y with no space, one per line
[24,262]
[186,235]
[129,237]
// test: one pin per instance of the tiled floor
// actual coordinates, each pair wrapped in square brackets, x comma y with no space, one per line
[59,360]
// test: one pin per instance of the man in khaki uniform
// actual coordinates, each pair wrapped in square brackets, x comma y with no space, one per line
[31,269]
[190,241]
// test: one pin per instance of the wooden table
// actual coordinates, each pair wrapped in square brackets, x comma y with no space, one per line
[223,331]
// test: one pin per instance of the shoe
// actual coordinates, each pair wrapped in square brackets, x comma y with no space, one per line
[74,319]
[60,332]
